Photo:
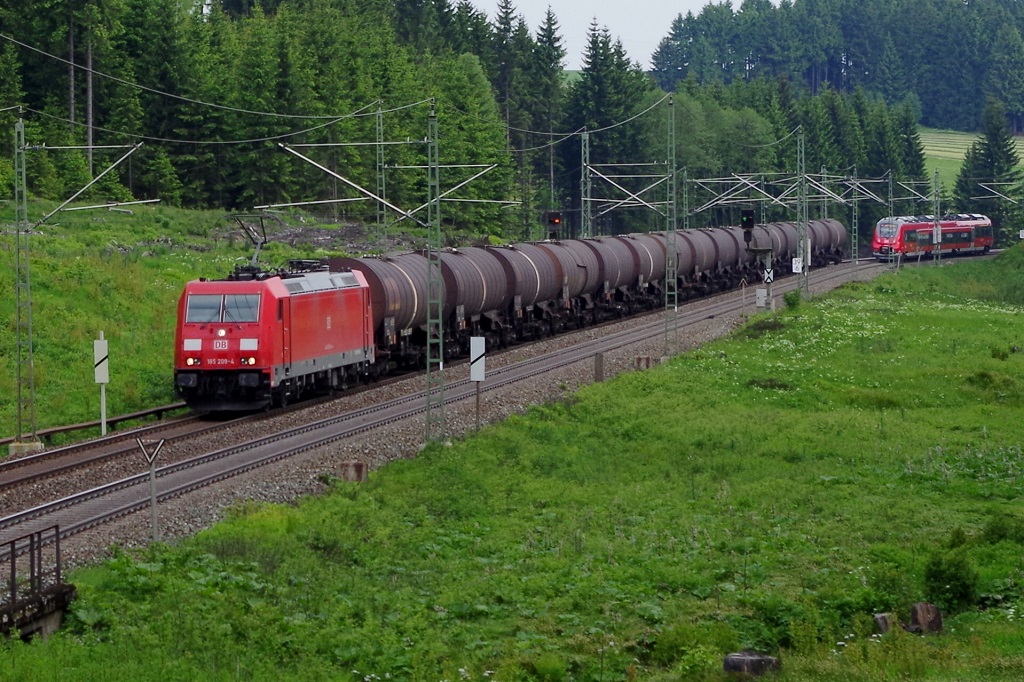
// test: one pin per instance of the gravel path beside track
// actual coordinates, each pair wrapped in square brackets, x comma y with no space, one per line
[304,475]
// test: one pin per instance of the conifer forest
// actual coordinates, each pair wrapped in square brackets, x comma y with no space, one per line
[213,88]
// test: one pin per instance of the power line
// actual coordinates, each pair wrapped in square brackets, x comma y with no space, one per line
[195,142]
[212,105]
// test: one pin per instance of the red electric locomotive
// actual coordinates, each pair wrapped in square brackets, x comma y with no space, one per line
[915,235]
[258,338]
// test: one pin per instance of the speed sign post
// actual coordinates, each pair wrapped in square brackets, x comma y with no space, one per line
[477,363]
[101,363]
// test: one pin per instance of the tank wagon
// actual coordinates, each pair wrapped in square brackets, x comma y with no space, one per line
[317,328]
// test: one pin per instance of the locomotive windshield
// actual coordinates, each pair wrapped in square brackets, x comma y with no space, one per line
[203,308]
[206,308]
[241,308]
[887,230]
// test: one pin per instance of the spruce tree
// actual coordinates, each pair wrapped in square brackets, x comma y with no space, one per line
[547,82]
[992,160]
[908,136]
[610,90]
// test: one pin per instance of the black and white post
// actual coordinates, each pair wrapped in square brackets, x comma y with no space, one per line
[477,361]
[101,362]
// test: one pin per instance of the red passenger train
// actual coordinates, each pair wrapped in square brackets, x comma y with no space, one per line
[259,338]
[963,233]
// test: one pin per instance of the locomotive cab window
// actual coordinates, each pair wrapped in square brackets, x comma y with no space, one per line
[242,308]
[203,308]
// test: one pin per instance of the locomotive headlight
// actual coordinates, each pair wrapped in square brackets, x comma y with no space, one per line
[190,362]
[252,361]
[221,332]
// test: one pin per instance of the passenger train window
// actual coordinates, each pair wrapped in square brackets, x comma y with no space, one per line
[203,308]
[242,308]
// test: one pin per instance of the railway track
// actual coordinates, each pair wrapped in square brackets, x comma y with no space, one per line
[101,504]
[38,466]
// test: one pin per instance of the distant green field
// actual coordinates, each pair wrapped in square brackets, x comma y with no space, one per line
[944,151]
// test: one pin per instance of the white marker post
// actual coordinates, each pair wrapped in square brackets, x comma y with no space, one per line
[101,362]
[151,458]
[477,362]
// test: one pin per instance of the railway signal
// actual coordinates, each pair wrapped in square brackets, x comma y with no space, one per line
[554,220]
[747,223]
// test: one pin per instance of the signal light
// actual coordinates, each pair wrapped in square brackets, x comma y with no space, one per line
[554,219]
[747,223]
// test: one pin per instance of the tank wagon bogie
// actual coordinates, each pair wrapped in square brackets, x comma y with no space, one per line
[261,338]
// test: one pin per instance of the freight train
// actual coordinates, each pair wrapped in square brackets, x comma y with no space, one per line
[259,338]
[903,236]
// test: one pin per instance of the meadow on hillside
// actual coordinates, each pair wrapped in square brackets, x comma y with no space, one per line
[121,274]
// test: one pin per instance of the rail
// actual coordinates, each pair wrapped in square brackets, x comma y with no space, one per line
[47,434]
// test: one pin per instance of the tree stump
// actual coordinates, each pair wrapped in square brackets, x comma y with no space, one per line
[353,471]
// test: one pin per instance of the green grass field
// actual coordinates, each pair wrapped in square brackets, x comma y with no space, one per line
[944,151]
[847,456]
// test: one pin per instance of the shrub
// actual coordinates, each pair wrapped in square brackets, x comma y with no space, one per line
[793,299]
[957,538]
[1001,527]
[549,668]
[951,581]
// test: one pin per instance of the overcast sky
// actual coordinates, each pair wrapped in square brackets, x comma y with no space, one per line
[639,24]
